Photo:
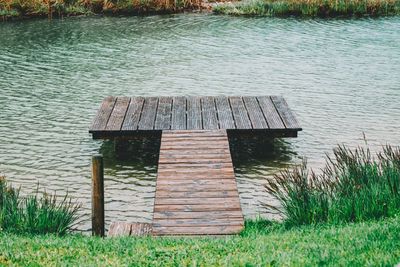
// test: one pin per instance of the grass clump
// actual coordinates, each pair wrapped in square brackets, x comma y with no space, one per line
[352,187]
[310,8]
[34,214]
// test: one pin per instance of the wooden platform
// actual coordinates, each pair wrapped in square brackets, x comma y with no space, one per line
[196,191]
[125,116]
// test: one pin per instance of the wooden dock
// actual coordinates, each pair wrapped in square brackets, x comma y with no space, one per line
[196,192]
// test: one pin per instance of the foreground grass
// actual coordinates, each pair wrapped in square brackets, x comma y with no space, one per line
[363,244]
[310,8]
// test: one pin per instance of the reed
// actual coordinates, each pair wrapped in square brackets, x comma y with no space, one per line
[35,214]
[59,8]
[310,8]
[354,186]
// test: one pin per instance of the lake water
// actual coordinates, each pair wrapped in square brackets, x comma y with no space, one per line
[341,77]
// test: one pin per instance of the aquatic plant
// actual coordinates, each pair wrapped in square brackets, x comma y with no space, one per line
[310,8]
[35,214]
[352,187]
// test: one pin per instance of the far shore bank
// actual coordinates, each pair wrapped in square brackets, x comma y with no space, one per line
[29,9]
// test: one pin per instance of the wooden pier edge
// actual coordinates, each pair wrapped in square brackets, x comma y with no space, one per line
[127,117]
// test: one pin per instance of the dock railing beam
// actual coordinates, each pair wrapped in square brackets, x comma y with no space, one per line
[97,196]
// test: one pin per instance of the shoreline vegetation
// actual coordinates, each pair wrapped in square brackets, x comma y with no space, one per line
[310,8]
[348,215]
[22,9]
[354,186]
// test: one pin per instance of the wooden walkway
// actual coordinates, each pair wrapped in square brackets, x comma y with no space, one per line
[196,189]
[196,192]
[123,116]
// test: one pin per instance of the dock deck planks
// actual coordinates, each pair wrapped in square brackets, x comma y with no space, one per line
[196,192]
[122,116]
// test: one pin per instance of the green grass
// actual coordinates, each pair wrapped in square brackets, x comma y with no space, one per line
[35,214]
[354,186]
[362,244]
[310,8]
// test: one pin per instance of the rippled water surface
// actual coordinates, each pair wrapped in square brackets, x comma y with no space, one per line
[341,77]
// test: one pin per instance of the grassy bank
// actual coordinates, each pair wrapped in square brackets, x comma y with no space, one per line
[310,8]
[60,8]
[363,244]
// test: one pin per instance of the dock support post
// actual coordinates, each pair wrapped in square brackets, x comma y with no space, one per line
[97,196]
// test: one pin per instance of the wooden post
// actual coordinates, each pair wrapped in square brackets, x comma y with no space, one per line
[97,195]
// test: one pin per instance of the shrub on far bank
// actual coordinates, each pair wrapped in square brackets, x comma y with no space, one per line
[353,187]
[310,8]
[34,214]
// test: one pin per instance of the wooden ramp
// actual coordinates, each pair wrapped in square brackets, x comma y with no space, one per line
[196,192]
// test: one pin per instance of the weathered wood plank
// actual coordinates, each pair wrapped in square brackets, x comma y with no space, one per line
[196,194]
[199,207]
[209,113]
[163,117]
[211,230]
[119,229]
[224,111]
[178,113]
[286,114]
[200,215]
[194,118]
[103,114]
[148,117]
[175,175]
[174,156]
[141,229]
[194,132]
[133,114]
[185,172]
[199,222]
[195,201]
[118,114]
[270,113]
[240,115]
[182,187]
[129,229]
[255,113]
